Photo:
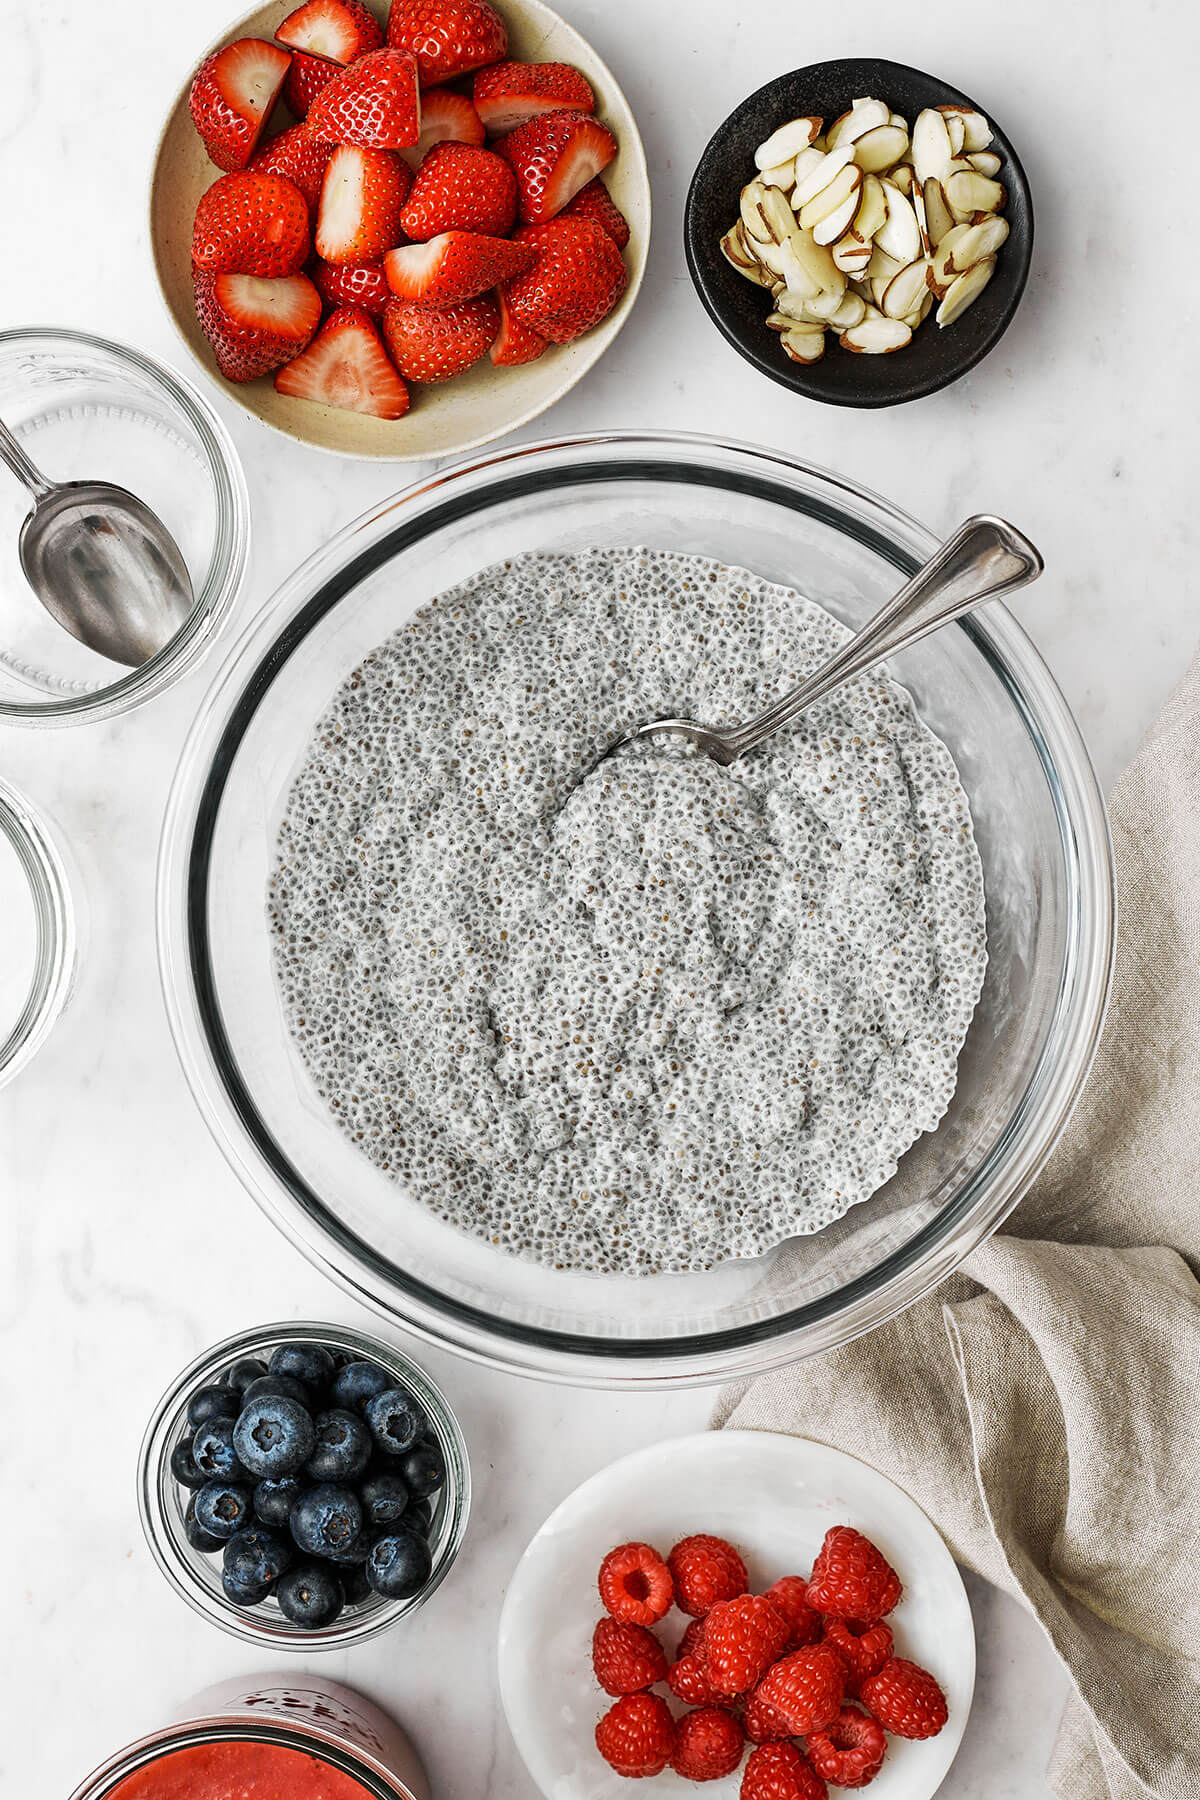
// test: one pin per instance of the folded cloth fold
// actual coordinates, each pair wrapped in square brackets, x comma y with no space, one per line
[1044,1405]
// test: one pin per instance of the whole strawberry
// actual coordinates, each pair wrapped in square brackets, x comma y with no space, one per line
[742,1638]
[708,1745]
[849,1752]
[905,1699]
[779,1772]
[864,1652]
[373,103]
[635,1584]
[626,1658]
[448,37]
[789,1596]
[250,224]
[636,1736]
[805,1688]
[705,1569]
[435,343]
[851,1579]
[460,187]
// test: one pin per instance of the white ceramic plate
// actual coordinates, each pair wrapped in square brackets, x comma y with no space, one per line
[774,1497]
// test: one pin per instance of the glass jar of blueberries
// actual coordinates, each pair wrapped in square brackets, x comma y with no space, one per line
[304,1486]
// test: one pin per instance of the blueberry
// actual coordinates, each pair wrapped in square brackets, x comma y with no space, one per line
[385,1498]
[396,1420]
[274,1500]
[399,1564]
[242,1591]
[284,1387]
[356,1552]
[183,1465]
[273,1436]
[210,1403]
[355,1585]
[243,1372]
[419,1516]
[357,1383]
[195,1533]
[327,1520]
[223,1507]
[343,1447]
[308,1363]
[213,1451]
[256,1558]
[424,1469]
[310,1596]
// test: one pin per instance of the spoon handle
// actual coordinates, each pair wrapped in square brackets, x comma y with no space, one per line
[12,453]
[985,558]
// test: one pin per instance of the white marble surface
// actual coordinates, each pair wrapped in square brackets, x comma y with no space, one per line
[128,1243]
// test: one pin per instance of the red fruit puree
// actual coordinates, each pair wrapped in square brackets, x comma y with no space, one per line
[239,1771]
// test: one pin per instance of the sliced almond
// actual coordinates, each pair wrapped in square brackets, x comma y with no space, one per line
[898,236]
[904,177]
[986,161]
[783,175]
[942,272]
[804,343]
[863,116]
[851,254]
[752,215]
[875,335]
[822,174]
[796,277]
[900,120]
[807,161]
[850,310]
[968,192]
[977,133]
[938,217]
[965,290]
[906,290]
[883,265]
[831,228]
[955,128]
[930,145]
[880,147]
[920,313]
[979,240]
[796,307]
[872,207]
[776,210]
[735,252]
[786,144]
[844,186]
[817,263]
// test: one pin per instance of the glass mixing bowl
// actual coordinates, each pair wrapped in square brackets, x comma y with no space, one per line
[1042,834]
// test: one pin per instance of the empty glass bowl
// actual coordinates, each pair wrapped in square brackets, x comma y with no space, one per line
[1039,820]
[84,408]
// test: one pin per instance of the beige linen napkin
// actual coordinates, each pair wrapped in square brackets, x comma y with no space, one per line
[1042,1406]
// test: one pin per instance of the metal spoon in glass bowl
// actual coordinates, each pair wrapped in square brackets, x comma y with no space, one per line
[101,562]
[985,558]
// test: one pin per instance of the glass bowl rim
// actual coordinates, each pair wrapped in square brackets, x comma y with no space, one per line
[161,1436]
[32,839]
[228,556]
[821,1325]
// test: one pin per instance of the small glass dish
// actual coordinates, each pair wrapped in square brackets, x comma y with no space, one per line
[40,930]
[197,1577]
[83,407]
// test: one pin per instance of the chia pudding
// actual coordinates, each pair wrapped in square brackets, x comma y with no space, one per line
[634,1015]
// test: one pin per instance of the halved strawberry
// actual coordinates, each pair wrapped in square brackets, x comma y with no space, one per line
[516,343]
[510,93]
[448,37]
[250,224]
[460,187]
[446,117]
[362,197]
[455,266]
[254,323]
[232,95]
[575,282]
[299,157]
[375,103]
[305,79]
[435,343]
[346,366]
[594,202]
[338,30]
[352,284]
[553,158]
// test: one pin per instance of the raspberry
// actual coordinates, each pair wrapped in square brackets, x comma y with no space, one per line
[779,1772]
[705,1569]
[708,1744]
[850,1578]
[626,1658]
[863,1652]
[905,1699]
[850,1751]
[806,1688]
[692,1641]
[742,1637]
[688,1680]
[637,1735]
[789,1596]
[763,1724]
[635,1585]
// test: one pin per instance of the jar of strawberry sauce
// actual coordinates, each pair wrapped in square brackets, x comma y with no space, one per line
[268,1737]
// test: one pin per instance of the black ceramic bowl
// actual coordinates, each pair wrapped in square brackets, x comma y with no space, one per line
[935,358]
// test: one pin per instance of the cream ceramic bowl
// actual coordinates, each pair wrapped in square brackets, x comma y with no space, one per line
[485,402]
